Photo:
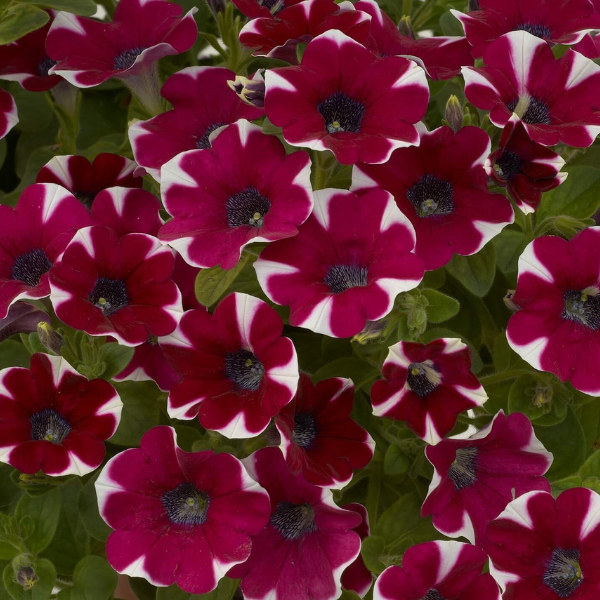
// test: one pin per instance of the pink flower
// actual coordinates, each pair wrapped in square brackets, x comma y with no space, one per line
[8,113]
[357,577]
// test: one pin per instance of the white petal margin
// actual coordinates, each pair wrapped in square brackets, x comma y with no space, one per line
[60,167]
[137,132]
[11,115]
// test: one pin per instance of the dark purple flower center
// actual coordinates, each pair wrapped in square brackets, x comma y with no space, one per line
[541,31]
[109,295]
[244,369]
[533,110]
[47,425]
[463,471]
[305,430]
[30,266]
[341,113]
[293,521]
[186,505]
[202,142]
[44,66]
[126,59]
[508,165]
[423,378]
[433,594]
[340,278]
[247,207]
[563,573]
[273,5]
[583,307]
[86,198]
[431,196]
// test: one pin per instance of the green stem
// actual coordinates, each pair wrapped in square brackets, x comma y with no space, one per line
[322,165]
[373,492]
[406,7]
[503,376]
[146,88]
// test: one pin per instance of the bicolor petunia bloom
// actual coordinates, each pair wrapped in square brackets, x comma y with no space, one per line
[85,179]
[427,386]
[358,105]
[179,517]
[33,236]
[237,370]
[357,577]
[346,266]
[8,113]
[318,437]
[589,46]
[203,104]
[438,571]
[525,168]
[547,549]
[122,287]
[558,296]
[54,420]
[554,98]
[243,189]
[475,478]
[441,186]
[442,56]
[308,542]
[263,8]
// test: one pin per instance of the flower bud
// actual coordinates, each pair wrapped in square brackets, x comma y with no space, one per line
[216,7]
[50,338]
[251,91]
[474,5]
[454,113]
[373,331]
[26,577]
[509,303]
[405,27]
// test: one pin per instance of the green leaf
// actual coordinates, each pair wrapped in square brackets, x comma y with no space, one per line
[475,272]
[9,492]
[371,550]
[395,462]
[142,589]
[361,373]
[85,8]
[211,284]
[225,591]
[588,476]
[93,579]
[44,510]
[35,112]
[116,358]
[2,151]
[505,357]
[441,307]
[90,515]
[13,354]
[19,20]
[509,246]
[536,399]
[42,589]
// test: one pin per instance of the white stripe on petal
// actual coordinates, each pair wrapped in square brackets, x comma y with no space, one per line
[319,320]
[449,551]
[274,81]
[360,180]
[478,395]
[267,268]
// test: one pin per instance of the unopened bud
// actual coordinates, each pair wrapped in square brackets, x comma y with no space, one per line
[216,7]
[509,302]
[454,113]
[50,338]
[374,330]
[405,27]
[542,397]
[474,5]
[250,91]
[26,577]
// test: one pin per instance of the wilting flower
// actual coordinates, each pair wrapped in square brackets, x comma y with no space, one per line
[357,577]
[558,296]
[33,235]
[438,571]
[306,545]
[203,103]
[22,317]
[244,189]
[524,167]
[179,517]
[441,186]
[8,113]
[52,419]
[263,8]
[544,548]
[442,56]
[122,287]
[358,105]
[237,370]
[427,386]
[554,98]
[348,263]
[318,437]
[475,478]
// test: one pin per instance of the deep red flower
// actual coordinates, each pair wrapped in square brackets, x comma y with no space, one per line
[589,46]
[263,8]
[357,577]
[8,113]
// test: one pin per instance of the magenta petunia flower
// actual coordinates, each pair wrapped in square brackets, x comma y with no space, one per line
[442,56]
[547,549]
[427,386]
[244,189]
[554,98]
[475,478]
[54,420]
[589,46]
[33,236]
[179,517]
[203,103]
[308,542]
[318,437]
[558,295]
[441,186]
[351,259]
[524,167]
[438,571]
[8,113]
[122,287]
[357,577]
[358,105]
[237,370]
[263,8]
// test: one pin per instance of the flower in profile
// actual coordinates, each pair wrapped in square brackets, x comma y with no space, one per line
[203,104]
[237,370]
[54,420]
[544,548]
[307,543]
[122,287]
[441,186]
[554,98]
[358,105]
[558,300]
[263,8]
[178,517]
[346,266]
[475,478]
[22,317]
[427,386]
[357,577]
[8,113]
[438,571]
[33,236]
[318,437]
[244,189]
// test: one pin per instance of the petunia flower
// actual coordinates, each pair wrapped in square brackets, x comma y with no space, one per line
[475,478]
[427,386]
[441,186]
[589,46]
[554,98]
[8,113]
[203,103]
[179,517]
[22,317]
[263,8]
[308,542]
[357,577]
[237,370]
[54,420]
[244,189]
[547,549]
[358,105]
[346,266]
